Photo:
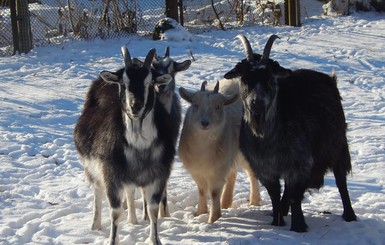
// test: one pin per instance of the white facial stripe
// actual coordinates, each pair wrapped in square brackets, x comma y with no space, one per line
[148,80]
[126,80]
[169,64]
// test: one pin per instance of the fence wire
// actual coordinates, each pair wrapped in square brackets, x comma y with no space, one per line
[56,21]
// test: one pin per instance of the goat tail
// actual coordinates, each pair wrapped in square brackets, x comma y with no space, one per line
[344,163]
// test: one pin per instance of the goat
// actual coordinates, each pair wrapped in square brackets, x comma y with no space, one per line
[167,97]
[294,128]
[208,146]
[126,139]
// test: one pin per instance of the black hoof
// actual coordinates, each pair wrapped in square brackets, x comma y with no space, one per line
[299,228]
[281,222]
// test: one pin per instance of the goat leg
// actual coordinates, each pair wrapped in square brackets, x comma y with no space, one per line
[130,202]
[294,192]
[163,208]
[274,189]
[215,211]
[98,197]
[348,214]
[202,202]
[228,189]
[285,203]
[116,212]
[153,194]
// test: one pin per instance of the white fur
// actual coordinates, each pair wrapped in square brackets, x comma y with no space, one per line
[211,156]
[143,135]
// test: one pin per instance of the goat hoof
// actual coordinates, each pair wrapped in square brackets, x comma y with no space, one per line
[96,227]
[214,217]
[281,222]
[197,213]
[299,227]
[132,221]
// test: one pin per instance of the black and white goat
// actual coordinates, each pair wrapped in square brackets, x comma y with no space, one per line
[293,128]
[165,94]
[166,65]
[126,138]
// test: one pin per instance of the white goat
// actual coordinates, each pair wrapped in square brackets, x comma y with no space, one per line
[209,145]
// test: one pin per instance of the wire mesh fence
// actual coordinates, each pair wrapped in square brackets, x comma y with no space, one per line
[56,21]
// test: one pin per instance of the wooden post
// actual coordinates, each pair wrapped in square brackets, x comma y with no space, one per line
[21,27]
[292,13]
[181,20]
[15,36]
[172,9]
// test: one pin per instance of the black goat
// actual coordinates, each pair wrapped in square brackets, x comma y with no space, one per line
[293,128]
[126,138]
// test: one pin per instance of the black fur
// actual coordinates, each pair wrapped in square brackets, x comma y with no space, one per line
[293,129]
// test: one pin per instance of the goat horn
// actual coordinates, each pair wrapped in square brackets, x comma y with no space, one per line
[126,56]
[247,47]
[267,49]
[149,58]
[167,52]
[216,88]
[203,86]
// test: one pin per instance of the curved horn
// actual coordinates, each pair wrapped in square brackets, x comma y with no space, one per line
[149,58]
[167,52]
[216,88]
[126,56]
[247,47]
[203,86]
[267,49]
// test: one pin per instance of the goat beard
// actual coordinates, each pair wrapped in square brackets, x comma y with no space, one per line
[256,122]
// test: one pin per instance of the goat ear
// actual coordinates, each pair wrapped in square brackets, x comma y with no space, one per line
[282,73]
[231,99]
[232,74]
[182,66]
[164,79]
[185,94]
[149,58]
[216,88]
[110,77]
[167,52]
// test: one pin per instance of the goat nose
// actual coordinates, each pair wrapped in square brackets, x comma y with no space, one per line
[135,107]
[204,124]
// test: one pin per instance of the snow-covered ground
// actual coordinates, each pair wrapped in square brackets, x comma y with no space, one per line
[44,198]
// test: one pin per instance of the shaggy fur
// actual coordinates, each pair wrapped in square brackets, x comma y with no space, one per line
[293,128]
[126,139]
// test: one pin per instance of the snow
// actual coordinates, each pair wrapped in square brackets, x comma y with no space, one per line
[44,198]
